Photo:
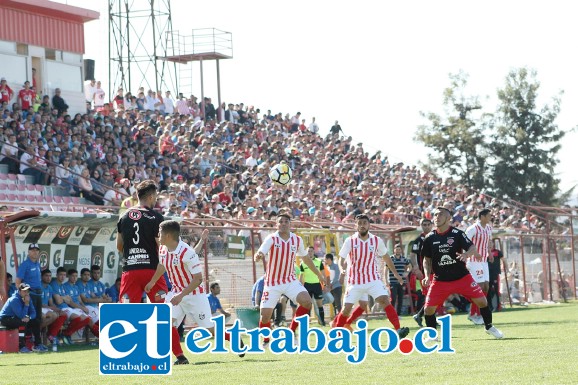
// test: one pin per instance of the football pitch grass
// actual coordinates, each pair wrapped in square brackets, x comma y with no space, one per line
[540,347]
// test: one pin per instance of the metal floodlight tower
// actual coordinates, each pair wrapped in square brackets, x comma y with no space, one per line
[137,37]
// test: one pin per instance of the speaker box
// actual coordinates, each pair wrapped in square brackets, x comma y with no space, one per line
[88,69]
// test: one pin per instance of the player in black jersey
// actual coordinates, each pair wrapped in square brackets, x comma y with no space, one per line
[445,251]
[417,263]
[137,240]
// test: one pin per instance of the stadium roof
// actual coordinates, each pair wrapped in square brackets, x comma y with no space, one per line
[52,9]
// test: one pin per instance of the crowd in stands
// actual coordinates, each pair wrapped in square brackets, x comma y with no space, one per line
[214,160]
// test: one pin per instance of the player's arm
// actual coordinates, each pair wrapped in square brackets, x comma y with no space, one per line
[158,273]
[86,299]
[391,267]
[201,243]
[471,249]
[3,297]
[258,295]
[327,281]
[264,249]
[119,242]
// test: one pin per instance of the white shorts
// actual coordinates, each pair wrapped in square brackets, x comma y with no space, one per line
[479,270]
[46,310]
[271,294]
[196,306]
[375,289]
[69,311]
[93,313]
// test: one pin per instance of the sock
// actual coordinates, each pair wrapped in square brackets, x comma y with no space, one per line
[265,325]
[322,314]
[357,312]
[73,326]
[298,313]
[392,316]
[430,321]
[339,320]
[486,316]
[421,312]
[55,327]
[176,342]
[474,310]
[94,329]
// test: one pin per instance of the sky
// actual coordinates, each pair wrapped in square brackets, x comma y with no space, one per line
[373,66]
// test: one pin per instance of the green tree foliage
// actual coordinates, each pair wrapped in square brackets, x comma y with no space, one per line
[526,141]
[456,139]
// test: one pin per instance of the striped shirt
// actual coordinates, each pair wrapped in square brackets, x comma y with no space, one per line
[481,237]
[361,258]
[281,263]
[400,266]
[181,264]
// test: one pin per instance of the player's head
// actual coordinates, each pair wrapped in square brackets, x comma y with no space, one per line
[485,215]
[147,192]
[426,225]
[215,288]
[85,275]
[72,275]
[362,224]
[46,275]
[283,221]
[311,251]
[60,274]
[169,231]
[442,216]
[95,272]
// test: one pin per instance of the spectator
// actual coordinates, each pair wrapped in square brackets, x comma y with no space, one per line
[87,190]
[9,153]
[58,103]
[403,267]
[11,286]
[6,93]
[26,98]
[98,97]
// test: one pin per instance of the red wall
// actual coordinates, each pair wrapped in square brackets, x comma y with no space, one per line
[41,30]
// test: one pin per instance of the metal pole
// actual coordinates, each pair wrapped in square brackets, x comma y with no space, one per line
[252,239]
[219,85]
[523,272]
[110,24]
[548,263]
[128,86]
[202,91]
[154,25]
[206,250]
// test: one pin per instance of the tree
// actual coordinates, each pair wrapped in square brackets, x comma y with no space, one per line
[457,140]
[526,142]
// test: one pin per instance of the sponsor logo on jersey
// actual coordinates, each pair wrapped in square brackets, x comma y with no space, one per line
[450,241]
[135,339]
[446,260]
[135,215]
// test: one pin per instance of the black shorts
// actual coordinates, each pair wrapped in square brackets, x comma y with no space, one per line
[314,290]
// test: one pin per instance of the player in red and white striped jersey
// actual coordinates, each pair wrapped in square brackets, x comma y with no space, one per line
[360,252]
[480,234]
[185,272]
[282,247]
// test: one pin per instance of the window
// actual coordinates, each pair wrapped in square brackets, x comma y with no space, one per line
[22,49]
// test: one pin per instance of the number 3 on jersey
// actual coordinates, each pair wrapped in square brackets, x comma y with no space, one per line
[136,237]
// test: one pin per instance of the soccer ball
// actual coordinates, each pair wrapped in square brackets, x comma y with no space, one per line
[281,174]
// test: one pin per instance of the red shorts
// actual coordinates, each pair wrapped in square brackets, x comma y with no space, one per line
[133,283]
[440,290]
